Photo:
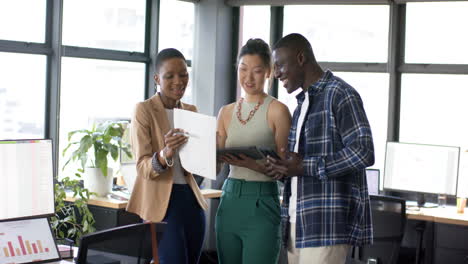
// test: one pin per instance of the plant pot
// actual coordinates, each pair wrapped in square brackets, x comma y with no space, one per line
[94,181]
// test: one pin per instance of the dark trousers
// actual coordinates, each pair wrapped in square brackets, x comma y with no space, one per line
[182,240]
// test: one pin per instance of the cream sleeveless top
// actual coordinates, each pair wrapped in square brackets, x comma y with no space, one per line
[255,132]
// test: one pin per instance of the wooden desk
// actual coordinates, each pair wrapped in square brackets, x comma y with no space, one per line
[443,232]
[447,215]
[110,212]
[119,204]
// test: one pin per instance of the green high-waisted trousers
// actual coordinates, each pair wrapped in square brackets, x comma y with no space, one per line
[248,223]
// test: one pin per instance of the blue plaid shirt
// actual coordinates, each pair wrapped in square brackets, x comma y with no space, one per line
[336,144]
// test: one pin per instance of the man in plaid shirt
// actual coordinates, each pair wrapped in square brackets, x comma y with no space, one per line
[325,205]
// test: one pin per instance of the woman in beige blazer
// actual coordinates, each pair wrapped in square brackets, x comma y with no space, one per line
[163,190]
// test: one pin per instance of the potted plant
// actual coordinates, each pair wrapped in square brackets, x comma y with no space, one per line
[93,149]
[71,220]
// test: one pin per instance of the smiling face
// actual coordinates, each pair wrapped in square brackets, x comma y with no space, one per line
[288,68]
[172,77]
[252,73]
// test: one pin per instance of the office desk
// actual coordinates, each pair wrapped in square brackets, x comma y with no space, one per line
[442,232]
[447,215]
[110,212]
[120,204]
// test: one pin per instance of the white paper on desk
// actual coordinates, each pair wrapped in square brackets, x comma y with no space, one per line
[198,155]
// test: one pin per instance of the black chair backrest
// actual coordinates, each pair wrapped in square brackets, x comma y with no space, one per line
[388,217]
[388,220]
[130,244]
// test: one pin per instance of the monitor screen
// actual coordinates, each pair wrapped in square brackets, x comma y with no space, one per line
[26,178]
[372,176]
[27,241]
[421,168]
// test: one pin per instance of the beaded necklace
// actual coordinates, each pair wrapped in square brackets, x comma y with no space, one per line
[251,114]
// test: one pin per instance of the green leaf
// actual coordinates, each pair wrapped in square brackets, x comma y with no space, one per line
[116,130]
[83,159]
[101,161]
[114,150]
[128,152]
[85,143]
[107,139]
[66,148]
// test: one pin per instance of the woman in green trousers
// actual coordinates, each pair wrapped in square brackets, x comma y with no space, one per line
[248,217]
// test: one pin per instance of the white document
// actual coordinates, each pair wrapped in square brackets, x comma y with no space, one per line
[198,155]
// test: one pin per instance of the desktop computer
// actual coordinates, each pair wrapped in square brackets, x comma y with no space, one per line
[27,199]
[422,169]
[26,178]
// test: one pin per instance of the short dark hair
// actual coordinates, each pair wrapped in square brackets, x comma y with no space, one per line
[167,54]
[296,42]
[256,47]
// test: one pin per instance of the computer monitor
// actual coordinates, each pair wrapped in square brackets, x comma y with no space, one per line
[421,168]
[26,178]
[124,244]
[27,241]
[373,180]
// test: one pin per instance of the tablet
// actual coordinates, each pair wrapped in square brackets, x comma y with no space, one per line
[252,152]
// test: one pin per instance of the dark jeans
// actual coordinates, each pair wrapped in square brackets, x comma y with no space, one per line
[182,241]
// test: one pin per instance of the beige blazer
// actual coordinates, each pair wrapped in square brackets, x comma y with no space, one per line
[151,192]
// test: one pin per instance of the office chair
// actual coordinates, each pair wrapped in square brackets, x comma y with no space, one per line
[132,244]
[388,220]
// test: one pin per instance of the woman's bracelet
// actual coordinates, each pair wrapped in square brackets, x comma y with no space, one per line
[169,162]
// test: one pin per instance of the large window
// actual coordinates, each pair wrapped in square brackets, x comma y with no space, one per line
[348,33]
[437,33]
[433,101]
[22,96]
[97,90]
[433,109]
[105,24]
[23,20]
[176,28]
[92,67]
[250,28]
